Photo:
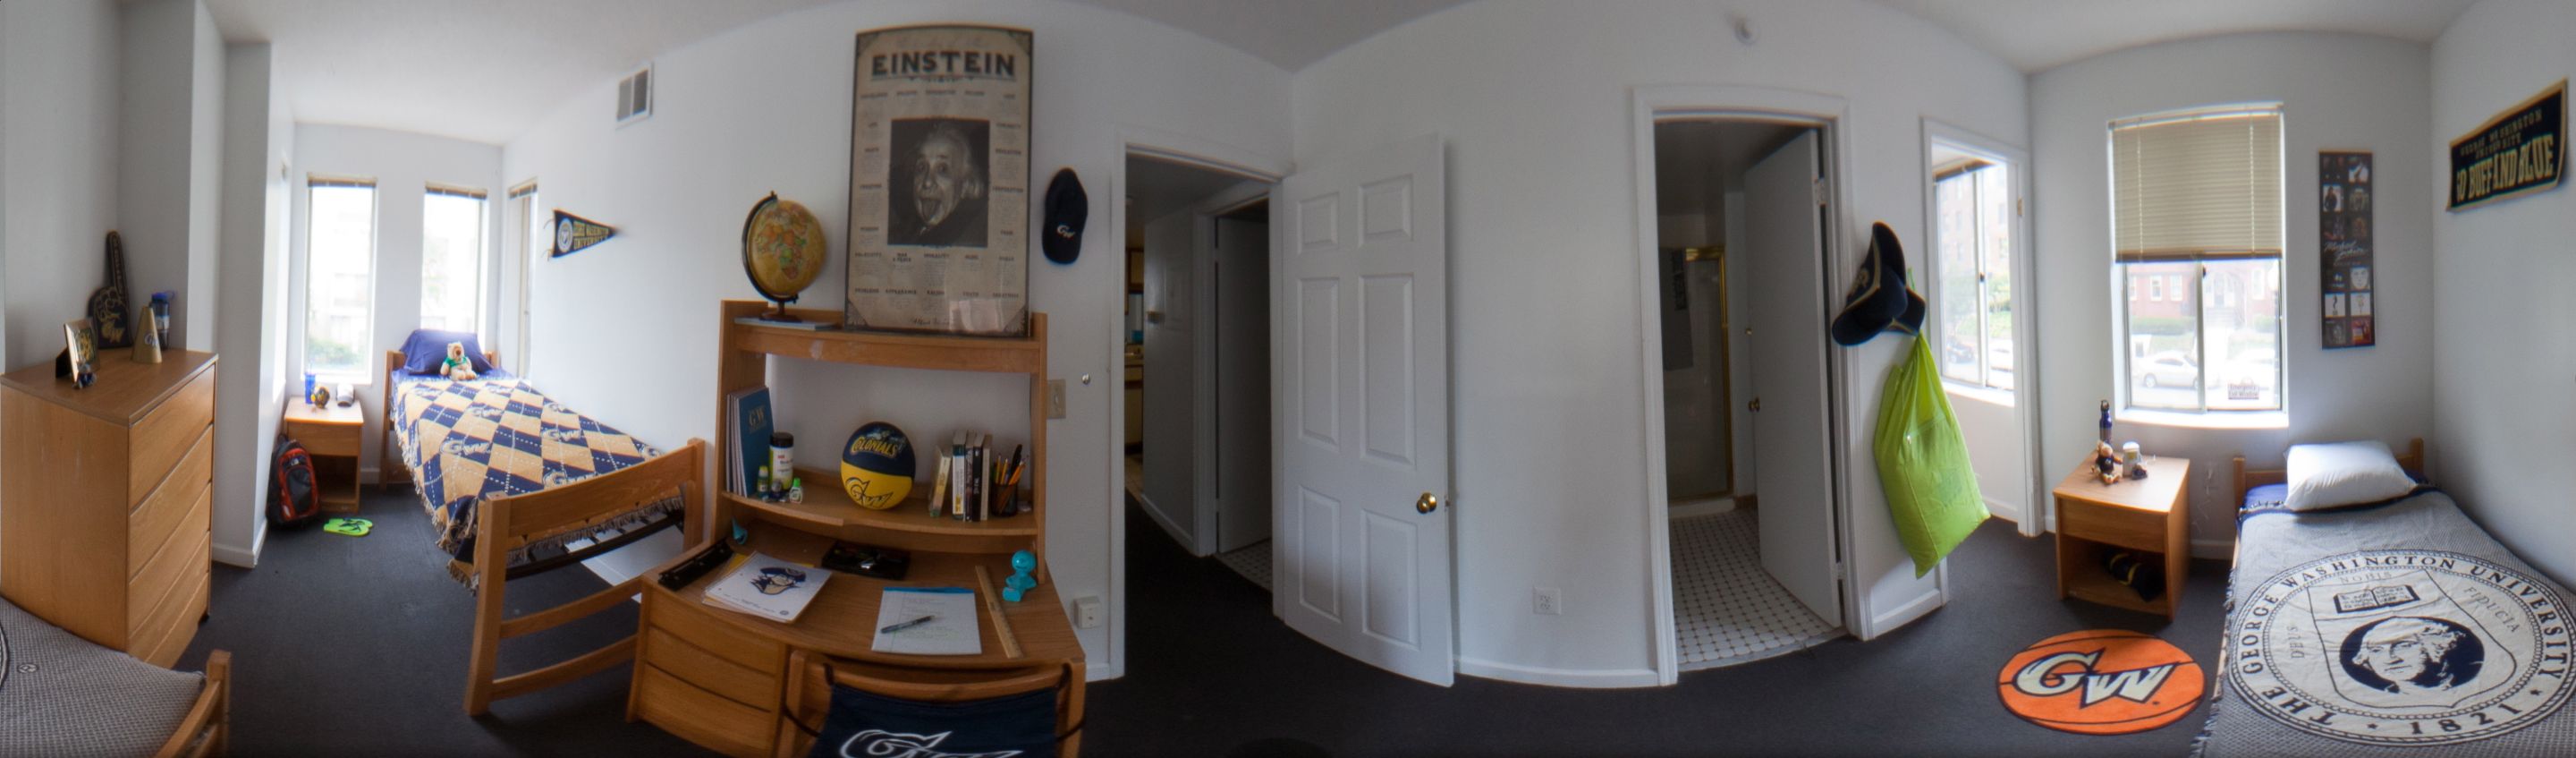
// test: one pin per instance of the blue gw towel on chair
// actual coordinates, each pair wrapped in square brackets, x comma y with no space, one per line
[867,724]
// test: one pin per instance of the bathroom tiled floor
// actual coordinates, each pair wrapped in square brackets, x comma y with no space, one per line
[1726,608]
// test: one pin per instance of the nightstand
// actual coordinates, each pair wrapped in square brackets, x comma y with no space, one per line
[2149,516]
[332,434]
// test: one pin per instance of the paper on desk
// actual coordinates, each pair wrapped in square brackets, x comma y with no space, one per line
[953,630]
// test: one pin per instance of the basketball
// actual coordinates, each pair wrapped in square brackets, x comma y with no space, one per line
[2101,681]
[876,467]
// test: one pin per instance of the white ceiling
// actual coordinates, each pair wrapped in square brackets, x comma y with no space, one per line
[2037,35]
[486,70]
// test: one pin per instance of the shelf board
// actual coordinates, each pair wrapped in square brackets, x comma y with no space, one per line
[826,505]
[1021,355]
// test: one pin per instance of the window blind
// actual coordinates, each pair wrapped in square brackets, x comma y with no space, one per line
[2198,185]
[451,190]
[523,190]
[327,180]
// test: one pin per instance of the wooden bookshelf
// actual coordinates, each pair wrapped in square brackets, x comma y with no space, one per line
[744,364]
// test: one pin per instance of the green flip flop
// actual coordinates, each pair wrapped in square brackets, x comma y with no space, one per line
[354,527]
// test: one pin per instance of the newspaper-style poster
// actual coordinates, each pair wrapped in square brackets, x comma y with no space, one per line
[939,181]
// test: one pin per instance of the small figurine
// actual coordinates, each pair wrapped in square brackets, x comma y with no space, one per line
[456,366]
[1021,582]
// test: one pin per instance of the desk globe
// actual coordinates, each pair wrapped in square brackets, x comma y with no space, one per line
[782,251]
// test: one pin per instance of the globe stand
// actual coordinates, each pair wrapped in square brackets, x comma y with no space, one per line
[781,315]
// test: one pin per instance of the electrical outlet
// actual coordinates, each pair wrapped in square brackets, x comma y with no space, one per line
[1055,398]
[1086,612]
[1547,601]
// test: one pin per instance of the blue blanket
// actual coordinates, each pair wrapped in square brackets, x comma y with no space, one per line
[470,441]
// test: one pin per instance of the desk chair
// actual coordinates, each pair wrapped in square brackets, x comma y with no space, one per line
[810,679]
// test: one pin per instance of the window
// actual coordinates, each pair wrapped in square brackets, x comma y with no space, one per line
[1972,206]
[451,260]
[339,280]
[2196,208]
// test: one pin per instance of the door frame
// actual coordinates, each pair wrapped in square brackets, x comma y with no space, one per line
[1649,105]
[2038,506]
[1174,147]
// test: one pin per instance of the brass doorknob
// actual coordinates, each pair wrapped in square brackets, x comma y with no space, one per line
[1755,406]
[1426,504]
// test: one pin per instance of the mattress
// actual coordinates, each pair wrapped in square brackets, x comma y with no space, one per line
[471,441]
[2389,629]
[61,695]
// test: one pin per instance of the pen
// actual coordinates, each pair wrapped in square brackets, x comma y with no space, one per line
[907,625]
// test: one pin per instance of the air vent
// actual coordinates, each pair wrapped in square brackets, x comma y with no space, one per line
[635,96]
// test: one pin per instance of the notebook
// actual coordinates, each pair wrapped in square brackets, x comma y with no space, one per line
[768,587]
[951,630]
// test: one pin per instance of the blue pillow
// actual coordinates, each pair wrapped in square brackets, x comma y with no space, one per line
[426,349]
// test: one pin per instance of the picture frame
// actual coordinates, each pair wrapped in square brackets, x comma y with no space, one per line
[2346,248]
[940,180]
[79,361]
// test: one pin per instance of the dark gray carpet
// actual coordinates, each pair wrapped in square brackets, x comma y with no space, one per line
[1211,672]
[356,646]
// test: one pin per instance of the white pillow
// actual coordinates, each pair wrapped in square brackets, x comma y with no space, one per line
[2344,473]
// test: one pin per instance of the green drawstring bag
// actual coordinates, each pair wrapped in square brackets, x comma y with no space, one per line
[1923,462]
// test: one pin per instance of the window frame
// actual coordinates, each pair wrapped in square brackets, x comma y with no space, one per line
[2193,288]
[1980,229]
[479,316]
[361,374]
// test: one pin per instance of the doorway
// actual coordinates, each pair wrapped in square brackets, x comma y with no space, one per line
[1740,259]
[1972,263]
[1197,359]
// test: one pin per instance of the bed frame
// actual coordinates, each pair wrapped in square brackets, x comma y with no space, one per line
[2247,479]
[207,729]
[504,524]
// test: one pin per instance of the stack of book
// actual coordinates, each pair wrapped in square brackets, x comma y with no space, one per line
[767,587]
[747,413]
[975,481]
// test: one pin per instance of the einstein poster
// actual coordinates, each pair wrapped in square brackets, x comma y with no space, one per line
[939,181]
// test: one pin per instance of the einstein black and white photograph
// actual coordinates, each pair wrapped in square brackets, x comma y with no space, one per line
[939,182]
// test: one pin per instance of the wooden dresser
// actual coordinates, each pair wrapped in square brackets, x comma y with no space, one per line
[105,496]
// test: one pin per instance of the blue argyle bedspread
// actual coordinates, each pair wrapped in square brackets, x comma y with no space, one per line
[469,441]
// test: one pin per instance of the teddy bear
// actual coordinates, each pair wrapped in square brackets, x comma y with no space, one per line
[456,366]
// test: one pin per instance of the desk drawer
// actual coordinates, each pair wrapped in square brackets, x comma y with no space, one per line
[165,511]
[327,439]
[700,716]
[2126,527]
[162,438]
[675,615]
[711,672]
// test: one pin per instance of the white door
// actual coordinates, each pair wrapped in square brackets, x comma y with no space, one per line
[1360,408]
[1171,355]
[1784,228]
[1241,435]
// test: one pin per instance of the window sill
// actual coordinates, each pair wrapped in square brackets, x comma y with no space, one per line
[1987,395]
[353,380]
[2210,420]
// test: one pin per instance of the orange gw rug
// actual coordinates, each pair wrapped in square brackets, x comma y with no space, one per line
[2101,681]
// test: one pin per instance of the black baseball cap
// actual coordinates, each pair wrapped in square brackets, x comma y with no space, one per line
[1067,210]
[1879,297]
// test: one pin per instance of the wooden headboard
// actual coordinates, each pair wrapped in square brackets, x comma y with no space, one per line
[2412,459]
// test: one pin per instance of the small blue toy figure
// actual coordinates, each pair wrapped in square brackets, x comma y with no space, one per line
[1021,582]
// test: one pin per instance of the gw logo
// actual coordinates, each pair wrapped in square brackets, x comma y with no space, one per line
[2042,679]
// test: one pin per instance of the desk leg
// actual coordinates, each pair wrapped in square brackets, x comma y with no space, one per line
[2177,553]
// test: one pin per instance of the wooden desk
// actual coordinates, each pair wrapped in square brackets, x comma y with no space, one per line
[2151,517]
[332,434]
[717,677]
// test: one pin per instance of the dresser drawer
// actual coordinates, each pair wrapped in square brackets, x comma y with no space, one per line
[700,716]
[167,635]
[2126,527]
[165,510]
[674,615]
[701,667]
[179,561]
[162,437]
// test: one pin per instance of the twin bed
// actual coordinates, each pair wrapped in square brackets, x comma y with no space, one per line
[2395,627]
[519,485]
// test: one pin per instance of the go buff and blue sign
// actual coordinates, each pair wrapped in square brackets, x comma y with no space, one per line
[2522,150]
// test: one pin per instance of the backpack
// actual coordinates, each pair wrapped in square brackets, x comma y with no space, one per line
[292,501]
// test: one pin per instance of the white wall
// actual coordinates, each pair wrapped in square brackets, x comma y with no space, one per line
[403,164]
[2338,92]
[59,102]
[626,331]
[169,159]
[252,280]
[1533,100]
[2500,399]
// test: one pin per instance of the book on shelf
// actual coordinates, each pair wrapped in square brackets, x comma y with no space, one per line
[764,586]
[748,415]
[939,487]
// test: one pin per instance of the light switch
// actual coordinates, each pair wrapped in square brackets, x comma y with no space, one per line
[1055,398]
